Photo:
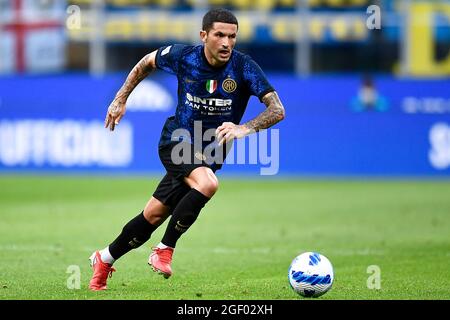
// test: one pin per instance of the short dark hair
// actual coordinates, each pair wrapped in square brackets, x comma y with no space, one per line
[218,15]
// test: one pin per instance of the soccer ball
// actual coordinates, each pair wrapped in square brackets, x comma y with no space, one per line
[311,274]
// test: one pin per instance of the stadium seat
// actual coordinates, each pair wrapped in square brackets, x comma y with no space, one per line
[119,29]
[317,29]
[339,28]
[335,3]
[217,2]
[287,3]
[166,3]
[264,4]
[280,30]
[241,4]
[359,30]
[360,3]
[314,3]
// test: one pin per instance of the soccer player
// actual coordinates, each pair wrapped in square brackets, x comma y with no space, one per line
[215,83]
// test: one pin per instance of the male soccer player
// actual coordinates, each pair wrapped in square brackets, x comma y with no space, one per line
[215,83]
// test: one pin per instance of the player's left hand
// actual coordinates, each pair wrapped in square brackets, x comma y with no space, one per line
[229,131]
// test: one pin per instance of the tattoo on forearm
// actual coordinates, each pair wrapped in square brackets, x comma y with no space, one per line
[139,72]
[272,115]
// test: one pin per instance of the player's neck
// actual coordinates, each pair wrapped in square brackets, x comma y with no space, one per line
[211,61]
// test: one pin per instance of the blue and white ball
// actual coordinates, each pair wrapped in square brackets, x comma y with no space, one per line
[311,274]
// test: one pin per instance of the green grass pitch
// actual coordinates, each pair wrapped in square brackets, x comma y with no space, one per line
[241,245]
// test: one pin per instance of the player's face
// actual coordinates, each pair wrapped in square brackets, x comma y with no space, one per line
[219,42]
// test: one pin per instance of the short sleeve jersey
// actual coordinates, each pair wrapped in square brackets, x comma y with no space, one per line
[207,94]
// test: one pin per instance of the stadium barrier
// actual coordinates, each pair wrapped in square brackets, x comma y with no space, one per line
[335,125]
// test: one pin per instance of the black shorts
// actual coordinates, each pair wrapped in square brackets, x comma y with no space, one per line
[172,187]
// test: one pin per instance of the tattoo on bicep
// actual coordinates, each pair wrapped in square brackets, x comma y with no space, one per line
[273,113]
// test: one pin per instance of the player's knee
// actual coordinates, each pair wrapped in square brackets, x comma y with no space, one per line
[154,218]
[213,184]
[209,186]
[155,212]
[203,180]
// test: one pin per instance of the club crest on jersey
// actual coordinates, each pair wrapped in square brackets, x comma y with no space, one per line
[211,86]
[229,85]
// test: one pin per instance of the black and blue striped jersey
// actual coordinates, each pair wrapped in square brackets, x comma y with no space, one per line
[208,94]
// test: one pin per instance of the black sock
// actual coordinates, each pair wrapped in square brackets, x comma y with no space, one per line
[135,233]
[183,216]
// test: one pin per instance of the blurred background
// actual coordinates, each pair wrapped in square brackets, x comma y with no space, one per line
[365,84]
[358,170]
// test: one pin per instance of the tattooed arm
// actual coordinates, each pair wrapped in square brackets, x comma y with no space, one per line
[116,109]
[273,114]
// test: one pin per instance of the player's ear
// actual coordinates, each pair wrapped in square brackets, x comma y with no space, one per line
[203,35]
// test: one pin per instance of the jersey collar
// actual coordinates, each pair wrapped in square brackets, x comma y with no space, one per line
[202,47]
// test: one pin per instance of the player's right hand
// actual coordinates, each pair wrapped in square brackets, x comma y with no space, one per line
[116,111]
